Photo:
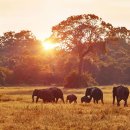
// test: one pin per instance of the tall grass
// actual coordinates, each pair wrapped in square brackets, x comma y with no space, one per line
[19,113]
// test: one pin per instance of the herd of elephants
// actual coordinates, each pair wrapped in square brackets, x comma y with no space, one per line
[53,94]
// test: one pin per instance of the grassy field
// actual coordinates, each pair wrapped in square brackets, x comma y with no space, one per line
[17,112]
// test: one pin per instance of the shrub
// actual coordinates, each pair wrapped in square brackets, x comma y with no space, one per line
[74,80]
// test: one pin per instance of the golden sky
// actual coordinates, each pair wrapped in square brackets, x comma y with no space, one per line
[40,15]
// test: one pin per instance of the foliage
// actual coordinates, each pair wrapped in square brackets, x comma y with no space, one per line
[74,80]
[82,34]
[85,39]
[5,75]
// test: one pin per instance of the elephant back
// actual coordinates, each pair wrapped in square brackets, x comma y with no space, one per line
[57,93]
[122,92]
[96,93]
[71,97]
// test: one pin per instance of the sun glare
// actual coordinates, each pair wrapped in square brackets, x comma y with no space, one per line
[49,45]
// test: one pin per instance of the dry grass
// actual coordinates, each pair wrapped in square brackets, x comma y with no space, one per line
[17,112]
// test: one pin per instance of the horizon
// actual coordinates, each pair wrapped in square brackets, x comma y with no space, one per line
[39,16]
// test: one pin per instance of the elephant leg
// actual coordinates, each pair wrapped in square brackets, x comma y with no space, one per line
[94,100]
[118,102]
[32,99]
[70,101]
[37,99]
[56,100]
[63,99]
[75,101]
[97,101]
[125,104]
[52,100]
[102,101]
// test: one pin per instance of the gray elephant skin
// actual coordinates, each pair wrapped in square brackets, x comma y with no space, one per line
[71,98]
[56,92]
[120,93]
[45,94]
[95,93]
[35,93]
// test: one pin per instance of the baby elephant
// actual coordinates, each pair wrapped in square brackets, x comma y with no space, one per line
[85,99]
[71,98]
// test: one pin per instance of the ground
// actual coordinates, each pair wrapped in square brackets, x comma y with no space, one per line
[17,112]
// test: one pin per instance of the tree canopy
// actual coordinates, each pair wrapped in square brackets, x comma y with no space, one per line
[84,39]
[82,34]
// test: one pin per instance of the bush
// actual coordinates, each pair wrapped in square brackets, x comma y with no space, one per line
[74,80]
[5,74]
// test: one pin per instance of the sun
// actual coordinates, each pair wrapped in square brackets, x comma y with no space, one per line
[48,45]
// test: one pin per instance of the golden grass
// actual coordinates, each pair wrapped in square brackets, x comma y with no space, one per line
[17,112]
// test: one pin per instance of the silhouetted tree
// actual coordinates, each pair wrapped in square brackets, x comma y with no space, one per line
[82,34]
[72,80]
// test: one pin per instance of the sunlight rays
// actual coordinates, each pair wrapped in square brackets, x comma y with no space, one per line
[47,45]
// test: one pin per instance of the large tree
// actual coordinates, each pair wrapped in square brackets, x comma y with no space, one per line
[82,34]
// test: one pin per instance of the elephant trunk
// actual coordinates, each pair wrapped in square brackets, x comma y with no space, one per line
[114,94]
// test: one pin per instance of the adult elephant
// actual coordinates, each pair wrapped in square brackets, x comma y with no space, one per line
[121,93]
[95,93]
[57,93]
[45,94]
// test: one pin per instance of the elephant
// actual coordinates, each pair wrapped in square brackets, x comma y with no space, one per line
[35,93]
[45,94]
[121,93]
[57,93]
[71,98]
[95,93]
[85,99]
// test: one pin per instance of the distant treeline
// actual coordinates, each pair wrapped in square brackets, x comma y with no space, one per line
[24,61]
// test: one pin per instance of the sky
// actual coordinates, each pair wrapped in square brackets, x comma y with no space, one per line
[39,16]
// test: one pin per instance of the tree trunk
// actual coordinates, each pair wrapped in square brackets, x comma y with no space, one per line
[80,65]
